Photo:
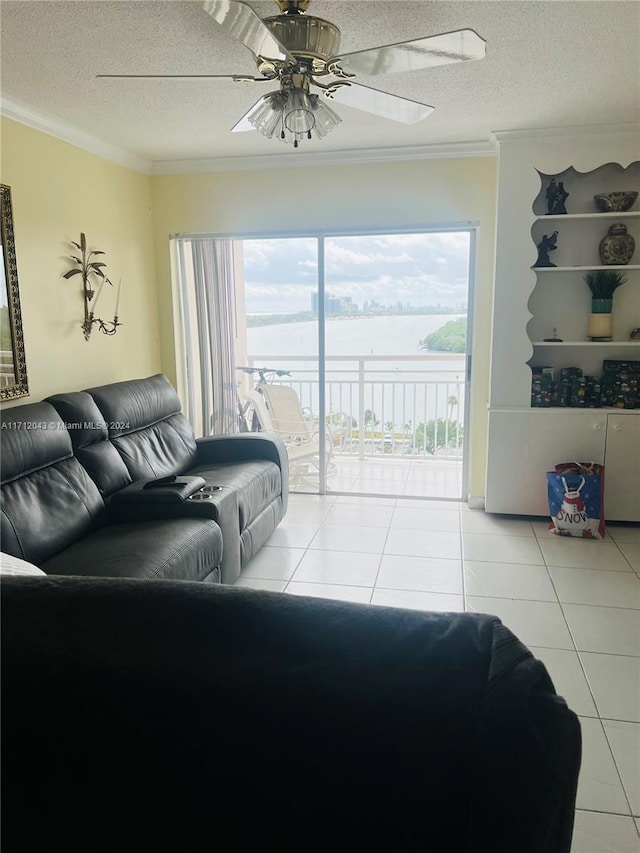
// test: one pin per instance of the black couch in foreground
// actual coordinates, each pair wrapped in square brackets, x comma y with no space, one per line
[82,493]
[191,717]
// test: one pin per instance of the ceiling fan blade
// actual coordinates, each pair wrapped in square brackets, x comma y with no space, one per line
[240,21]
[381,103]
[458,46]
[239,78]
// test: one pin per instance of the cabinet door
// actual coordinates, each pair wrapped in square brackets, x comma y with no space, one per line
[622,468]
[523,446]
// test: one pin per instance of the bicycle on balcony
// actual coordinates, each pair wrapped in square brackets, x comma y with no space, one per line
[275,407]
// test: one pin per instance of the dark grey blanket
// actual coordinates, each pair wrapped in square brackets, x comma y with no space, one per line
[165,715]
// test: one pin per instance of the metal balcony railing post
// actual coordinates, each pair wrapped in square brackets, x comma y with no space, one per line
[361,424]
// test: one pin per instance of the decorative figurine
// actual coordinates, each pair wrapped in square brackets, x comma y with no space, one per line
[561,196]
[556,198]
[546,245]
[551,194]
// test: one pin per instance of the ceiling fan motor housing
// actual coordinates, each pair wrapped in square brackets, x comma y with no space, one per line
[305,35]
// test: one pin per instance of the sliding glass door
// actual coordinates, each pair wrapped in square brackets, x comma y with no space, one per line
[362,343]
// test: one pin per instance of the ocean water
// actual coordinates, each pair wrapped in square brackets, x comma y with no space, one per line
[398,390]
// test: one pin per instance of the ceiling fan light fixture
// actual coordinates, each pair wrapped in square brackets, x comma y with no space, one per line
[326,118]
[299,117]
[266,115]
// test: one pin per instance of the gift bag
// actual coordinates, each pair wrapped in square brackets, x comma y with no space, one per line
[576,492]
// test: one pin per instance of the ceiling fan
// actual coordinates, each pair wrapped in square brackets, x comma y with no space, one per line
[300,51]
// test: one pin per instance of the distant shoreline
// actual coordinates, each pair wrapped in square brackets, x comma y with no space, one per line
[254,320]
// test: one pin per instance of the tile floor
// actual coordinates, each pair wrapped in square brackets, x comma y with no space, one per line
[409,476]
[576,604]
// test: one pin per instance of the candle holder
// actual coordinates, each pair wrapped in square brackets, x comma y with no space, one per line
[87,267]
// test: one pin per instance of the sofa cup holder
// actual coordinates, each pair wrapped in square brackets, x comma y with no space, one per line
[206,493]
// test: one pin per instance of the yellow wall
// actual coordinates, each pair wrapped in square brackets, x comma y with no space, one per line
[367,196]
[57,191]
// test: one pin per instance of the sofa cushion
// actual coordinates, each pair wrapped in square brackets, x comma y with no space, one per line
[171,549]
[89,433]
[48,499]
[257,484]
[146,426]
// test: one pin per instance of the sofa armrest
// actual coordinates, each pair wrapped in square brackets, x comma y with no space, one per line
[220,506]
[245,447]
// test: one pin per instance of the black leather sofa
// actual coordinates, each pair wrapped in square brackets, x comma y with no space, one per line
[104,482]
[186,717]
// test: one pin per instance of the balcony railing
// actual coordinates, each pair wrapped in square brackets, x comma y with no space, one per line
[391,405]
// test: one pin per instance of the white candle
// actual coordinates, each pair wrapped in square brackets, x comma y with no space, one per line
[118,297]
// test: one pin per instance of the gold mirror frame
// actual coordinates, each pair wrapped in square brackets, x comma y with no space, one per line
[13,367]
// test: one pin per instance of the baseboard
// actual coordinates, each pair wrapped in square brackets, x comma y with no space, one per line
[475,502]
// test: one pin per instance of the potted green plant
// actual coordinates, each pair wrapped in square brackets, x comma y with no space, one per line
[602,284]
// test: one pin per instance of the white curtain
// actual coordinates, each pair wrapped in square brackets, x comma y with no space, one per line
[205,270]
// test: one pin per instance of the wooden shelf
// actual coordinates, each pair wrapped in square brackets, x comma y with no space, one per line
[586,269]
[614,215]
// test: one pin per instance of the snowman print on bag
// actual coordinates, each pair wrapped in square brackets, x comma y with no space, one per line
[571,516]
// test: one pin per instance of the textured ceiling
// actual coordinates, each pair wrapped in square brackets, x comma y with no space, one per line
[549,63]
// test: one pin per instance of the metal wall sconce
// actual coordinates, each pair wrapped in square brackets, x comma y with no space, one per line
[88,266]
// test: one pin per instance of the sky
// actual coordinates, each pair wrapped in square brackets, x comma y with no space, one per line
[421,269]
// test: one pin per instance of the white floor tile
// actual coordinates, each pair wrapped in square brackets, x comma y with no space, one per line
[583,554]
[261,583]
[297,497]
[611,630]
[338,567]
[624,532]
[423,518]
[624,740]
[615,684]
[508,580]
[418,600]
[292,535]
[568,679]
[273,563]
[342,537]
[356,500]
[604,833]
[430,504]
[429,574]
[599,785]
[363,516]
[305,513]
[501,549]
[631,552]
[424,543]
[592,586]
[359,594]
[536,623]
[479,521]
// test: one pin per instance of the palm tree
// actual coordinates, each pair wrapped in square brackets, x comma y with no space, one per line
[371,420]
[453,402]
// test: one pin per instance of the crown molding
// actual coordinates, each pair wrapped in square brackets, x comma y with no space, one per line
[292,160]
[568,130]
[53,126]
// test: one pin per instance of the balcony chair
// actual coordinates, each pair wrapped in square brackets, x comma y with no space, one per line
[279,410]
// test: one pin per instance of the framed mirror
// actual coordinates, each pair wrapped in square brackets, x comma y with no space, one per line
[13,368]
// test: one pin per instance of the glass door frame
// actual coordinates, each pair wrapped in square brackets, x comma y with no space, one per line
[320,235]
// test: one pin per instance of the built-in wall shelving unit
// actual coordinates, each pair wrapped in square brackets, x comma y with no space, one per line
[532,304]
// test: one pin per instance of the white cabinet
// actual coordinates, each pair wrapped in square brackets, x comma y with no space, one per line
[525,442]
[525,445]
[622,467]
